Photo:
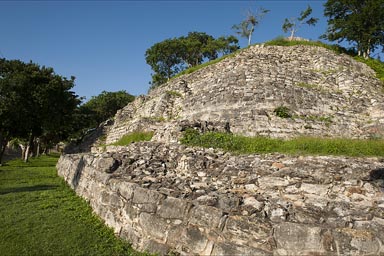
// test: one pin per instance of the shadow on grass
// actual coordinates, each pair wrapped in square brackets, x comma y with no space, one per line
[27,189]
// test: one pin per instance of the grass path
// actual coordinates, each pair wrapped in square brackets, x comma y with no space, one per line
[41,215]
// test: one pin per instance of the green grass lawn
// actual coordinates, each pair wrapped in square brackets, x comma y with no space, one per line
[41,215]
[296,146]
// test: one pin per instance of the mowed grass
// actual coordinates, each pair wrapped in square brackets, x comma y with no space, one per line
[297,146]
[41,215]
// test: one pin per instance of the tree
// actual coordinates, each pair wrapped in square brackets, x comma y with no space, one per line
[222,46]
[294,24]
[102,107]
[247,26]
[360,22]
[165,60]
[195,47]
[171,56]
[35,103]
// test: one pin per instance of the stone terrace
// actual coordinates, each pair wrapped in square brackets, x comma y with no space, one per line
[328,94]
[165,197]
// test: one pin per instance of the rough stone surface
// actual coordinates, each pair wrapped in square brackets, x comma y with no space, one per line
[168,197]
[327,94]
[165,197]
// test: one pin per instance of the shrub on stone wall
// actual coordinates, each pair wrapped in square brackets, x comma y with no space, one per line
[283,112]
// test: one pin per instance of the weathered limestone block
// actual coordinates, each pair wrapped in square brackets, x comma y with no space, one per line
[173,208]
[153,226]
[298,239]
[147,200]
[206,216]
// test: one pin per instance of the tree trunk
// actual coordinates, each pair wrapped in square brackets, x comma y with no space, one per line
[250,36]
[292,34]
[23,148]
[26,153]
[29,147]
[3,145]
[37,147]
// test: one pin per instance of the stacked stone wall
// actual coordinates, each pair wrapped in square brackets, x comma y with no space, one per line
[327,94]
[170,198]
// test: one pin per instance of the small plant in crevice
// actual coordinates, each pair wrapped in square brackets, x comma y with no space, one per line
[283,112]
[174,93]
[134,137]
[306,85]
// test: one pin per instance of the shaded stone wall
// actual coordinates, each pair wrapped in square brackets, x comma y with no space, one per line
[167,197]
[327,94]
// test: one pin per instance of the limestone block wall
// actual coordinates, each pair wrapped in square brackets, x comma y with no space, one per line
[327,94]
[170,198]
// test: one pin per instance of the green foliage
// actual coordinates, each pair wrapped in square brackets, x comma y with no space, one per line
[41,215]
[171,56]
[206,64]
[376,65]
[154,118]
[134,137]
[247,26]
[293,24]
[100,108]
[360,22]
[174,93]
[35,103]
[281,41]
[297,146]
[282,111]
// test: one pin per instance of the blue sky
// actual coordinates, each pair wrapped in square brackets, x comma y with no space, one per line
[102,43]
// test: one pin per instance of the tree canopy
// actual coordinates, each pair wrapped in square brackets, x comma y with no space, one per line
[294,24]
[171,56]
[100,108]
[247,26]
[360,22]
[35,103]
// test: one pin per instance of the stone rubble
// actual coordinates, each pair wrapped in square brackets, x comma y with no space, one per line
[165,197]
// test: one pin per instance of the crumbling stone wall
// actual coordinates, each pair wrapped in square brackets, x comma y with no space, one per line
[165,197]
[168,197]
[327,94]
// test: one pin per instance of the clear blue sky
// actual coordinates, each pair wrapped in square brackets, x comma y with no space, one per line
[102,43]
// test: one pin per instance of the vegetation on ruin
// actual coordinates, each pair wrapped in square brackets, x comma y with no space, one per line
[297,146]
[171,56]
[41,215]
[134,137]
[375,64]
[205,64]
[283,112]
[282,41]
